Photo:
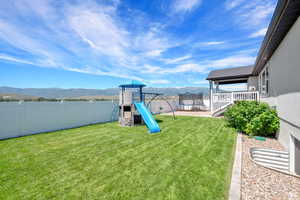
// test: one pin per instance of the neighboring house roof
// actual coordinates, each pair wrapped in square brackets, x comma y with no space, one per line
[285,15]
[230,73]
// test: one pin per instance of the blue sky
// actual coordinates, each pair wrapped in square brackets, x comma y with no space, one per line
[102,43]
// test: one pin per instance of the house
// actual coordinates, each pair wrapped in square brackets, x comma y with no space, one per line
[274,78]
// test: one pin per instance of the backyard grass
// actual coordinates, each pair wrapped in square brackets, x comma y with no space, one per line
[190,159]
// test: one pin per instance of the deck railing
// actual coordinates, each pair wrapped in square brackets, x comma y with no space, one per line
[224,99]
[249,96]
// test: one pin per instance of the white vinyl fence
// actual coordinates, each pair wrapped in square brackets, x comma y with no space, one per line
[19,119]
[26,118]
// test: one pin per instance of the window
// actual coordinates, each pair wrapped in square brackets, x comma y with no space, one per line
[264,82]
[127,109]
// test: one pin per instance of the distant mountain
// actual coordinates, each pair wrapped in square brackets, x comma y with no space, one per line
[73,93]
[8,96]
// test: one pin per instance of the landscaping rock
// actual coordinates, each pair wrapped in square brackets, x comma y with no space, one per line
[260,183]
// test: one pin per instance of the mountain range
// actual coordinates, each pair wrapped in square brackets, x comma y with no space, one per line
[79,92]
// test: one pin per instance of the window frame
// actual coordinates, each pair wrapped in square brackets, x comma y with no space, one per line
[264,81]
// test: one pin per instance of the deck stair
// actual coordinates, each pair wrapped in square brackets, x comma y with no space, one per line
[274,159]
[221,109]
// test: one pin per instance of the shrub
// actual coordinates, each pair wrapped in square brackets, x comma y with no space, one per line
[253,118]
[265,124]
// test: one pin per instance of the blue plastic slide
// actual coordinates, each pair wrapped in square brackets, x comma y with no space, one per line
[147,117]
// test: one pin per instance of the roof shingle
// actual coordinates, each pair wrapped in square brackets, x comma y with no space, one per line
[230,73]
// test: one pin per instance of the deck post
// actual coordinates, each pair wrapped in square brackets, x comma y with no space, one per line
[211,96]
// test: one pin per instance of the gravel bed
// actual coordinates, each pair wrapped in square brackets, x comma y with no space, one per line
[261,183]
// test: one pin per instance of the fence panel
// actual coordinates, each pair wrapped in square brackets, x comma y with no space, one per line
[26,118]
[18,119]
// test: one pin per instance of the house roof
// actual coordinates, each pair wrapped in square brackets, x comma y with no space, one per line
[230,73]
[285,15]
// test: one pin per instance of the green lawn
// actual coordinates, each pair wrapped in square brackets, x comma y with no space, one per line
[190,159]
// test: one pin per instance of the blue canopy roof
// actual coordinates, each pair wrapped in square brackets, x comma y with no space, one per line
[133,84]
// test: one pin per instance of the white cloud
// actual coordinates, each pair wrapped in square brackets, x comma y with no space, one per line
[200,82]
[86,70]
[90,33]
[254,13]
[190,67]
[211,43]
[185,5]
[19,39]
[249,51]
[176,60]
[99,30]
[95,71]
[154,53]
[232,61]
[152,42]
[46,62]
[18,60]
[106,33]
[160,81]
[260,13]
[41,8]
[150,69]
[259,33]
[203,66]
[230,4]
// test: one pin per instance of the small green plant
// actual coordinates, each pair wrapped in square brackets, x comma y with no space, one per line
[253,118]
